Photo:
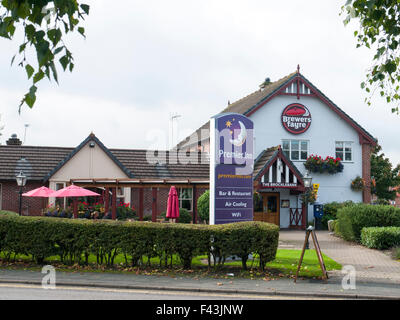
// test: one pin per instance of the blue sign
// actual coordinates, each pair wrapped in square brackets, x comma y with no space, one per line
[231,169]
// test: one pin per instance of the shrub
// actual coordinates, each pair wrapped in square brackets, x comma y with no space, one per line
[352,219]
[330,211]
[203,206]
[8,213]
[380,237]
[74,239]
[184,216]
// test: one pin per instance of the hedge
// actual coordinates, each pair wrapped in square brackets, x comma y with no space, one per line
[352,219]
[73,240]
[380,237]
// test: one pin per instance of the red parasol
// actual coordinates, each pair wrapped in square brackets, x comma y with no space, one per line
[173,204]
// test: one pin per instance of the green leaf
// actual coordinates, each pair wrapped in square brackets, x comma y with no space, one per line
[38,76]
[81,30]
[29,70]
[85,8]
[64,61]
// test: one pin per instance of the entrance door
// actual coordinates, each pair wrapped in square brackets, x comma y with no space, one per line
[271,208]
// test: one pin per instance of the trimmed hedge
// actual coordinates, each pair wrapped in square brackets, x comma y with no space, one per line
[73,240]
[380,237]
[352,219]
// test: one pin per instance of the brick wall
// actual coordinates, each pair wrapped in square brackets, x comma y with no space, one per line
[10,198]
[366,171]
[162,199]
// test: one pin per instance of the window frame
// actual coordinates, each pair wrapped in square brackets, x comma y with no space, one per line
[300,141]
[180,199]
[343,159]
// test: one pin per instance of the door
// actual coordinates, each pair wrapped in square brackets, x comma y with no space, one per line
[271,207]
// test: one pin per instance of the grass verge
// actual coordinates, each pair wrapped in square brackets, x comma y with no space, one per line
[284,266]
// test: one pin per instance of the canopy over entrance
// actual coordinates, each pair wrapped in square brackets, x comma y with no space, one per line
[272,169]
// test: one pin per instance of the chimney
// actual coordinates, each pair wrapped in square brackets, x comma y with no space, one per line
[14,141]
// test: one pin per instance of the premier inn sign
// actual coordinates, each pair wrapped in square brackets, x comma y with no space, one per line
[231,168]
[296,118]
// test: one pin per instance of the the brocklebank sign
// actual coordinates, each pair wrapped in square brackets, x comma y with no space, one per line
[296,118]
[231,168]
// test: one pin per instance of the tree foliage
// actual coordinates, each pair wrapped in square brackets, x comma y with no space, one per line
[44,24]
[379,30]
[385,176]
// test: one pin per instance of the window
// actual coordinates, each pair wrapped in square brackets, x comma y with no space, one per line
[60,202]
[185,196]
[295,149]
[344,151]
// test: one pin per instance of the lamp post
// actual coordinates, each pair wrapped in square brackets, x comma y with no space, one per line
[21,181]
[307,184]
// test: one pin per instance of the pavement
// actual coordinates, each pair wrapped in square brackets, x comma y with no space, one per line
[377,276]
[371,265]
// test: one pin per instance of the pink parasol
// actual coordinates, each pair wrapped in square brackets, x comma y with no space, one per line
[173,204]
[42,192]
[74,191]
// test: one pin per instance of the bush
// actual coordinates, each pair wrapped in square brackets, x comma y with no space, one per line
[184,216]
[8,213]
[73,240]
[203,207]
[330,211]
[380,237]
[352,219]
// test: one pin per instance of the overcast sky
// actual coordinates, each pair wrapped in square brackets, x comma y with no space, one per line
[142,60]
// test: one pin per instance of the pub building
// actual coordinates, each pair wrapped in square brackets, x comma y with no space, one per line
[293,120]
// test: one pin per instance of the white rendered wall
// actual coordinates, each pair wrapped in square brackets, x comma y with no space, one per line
[326,128]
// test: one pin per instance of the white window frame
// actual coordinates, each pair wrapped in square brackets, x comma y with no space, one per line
[64,199]
[344,144]
[290,148]
[185,199]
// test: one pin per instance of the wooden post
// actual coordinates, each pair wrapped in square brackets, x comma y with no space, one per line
[304,217]
[114,204]
[194,204]
[75,207]
[106,200]
[154,205]
[140,204]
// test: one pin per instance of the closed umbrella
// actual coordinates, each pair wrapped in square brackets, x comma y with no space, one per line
[74,192]
[173,205]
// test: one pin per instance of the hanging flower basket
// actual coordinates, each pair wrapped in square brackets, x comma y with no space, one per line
[328,165]
[309,197]
[358,184]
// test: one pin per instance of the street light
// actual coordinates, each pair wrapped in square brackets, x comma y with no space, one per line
[21,181]
[307,180]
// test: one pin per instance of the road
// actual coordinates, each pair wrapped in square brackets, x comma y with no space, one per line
[35,292]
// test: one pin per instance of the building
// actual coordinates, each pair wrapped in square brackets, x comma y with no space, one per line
[295,115]
[292,119]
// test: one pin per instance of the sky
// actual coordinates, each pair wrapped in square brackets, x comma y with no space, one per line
[141,61]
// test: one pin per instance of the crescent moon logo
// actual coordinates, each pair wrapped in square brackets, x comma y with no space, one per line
[241,138]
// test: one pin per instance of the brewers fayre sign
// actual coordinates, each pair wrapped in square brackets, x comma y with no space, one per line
[231,168]
[296,118]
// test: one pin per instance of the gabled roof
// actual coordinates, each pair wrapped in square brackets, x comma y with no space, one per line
[267,157]
[90,138]
[254,101]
